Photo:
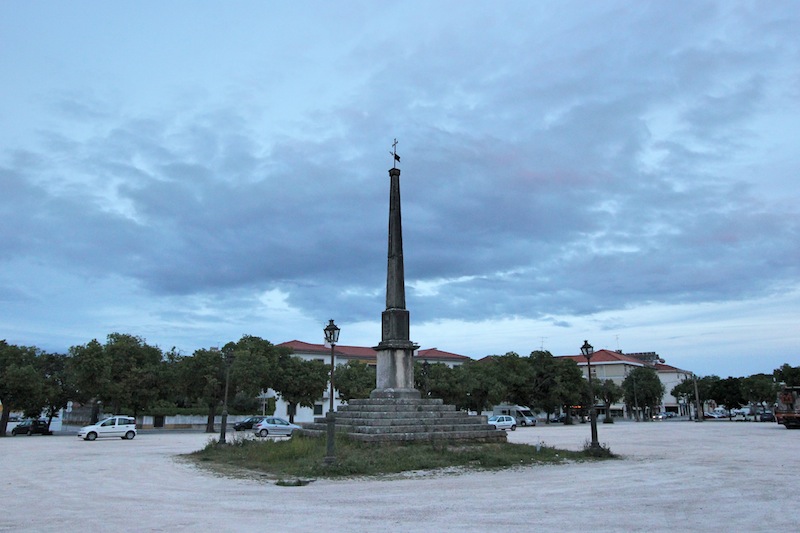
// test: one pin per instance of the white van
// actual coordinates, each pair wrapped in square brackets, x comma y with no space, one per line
[521,414]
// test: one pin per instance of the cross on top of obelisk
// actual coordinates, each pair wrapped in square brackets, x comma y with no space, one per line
[395,157]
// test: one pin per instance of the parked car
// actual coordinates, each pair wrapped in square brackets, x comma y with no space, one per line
[558,418]
[272,425]
[659,416]
[713,415]
[767,416]
[121,426]
[31,427]
[503,422]
[248,423]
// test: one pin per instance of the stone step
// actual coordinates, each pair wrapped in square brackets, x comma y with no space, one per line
[491,435]
[397,401]
[406,419]
[345,421]
[372,426]
[415,415]
[404,408]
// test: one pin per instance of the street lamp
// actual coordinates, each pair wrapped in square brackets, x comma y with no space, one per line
[228,355]
[587,350]
[331,337]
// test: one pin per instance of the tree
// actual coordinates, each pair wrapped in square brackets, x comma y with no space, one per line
[480,385]
[759,389]
[134,373]
[544,388]
[300,382]
[255,364]
[58,389]
[438,380]
[203,379]
[642,389]
[611,393]
[516,376]
[788,375]
[728,392]
[21,383]
[90,371]
[571,388]
[354,380]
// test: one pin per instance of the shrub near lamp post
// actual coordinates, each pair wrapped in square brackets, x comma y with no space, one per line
[587,350]
[331,337]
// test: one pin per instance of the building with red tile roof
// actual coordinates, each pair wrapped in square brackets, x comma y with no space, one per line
[615,365]
[342,354]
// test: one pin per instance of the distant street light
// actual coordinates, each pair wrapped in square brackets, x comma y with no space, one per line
[331,337]
[587,350]
[228,355]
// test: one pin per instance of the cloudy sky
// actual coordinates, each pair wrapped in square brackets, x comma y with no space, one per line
[189,172]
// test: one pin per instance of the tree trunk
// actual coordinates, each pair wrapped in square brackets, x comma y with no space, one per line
[6,414]
[212,411]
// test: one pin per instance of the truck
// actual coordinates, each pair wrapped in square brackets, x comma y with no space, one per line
[521,414]
[787,408]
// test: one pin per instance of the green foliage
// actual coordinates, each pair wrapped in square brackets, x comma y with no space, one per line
[300,382]
[480,384]
[597,452]
[354,380]
[21,385]
[759,389]
[728,392]
[571,387]
[788,375]
[135,369]
[515,376]
[438,380]
[255,364]
[610,393]
[642,387]
[302,457]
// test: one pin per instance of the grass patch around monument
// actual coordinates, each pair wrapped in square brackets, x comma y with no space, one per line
[302,458]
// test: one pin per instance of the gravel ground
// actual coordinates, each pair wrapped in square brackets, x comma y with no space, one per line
[673,476]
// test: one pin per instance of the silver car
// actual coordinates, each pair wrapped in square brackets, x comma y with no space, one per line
[272,425]
[503,422]
[120,426]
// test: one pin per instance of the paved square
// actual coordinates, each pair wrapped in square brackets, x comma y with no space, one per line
[675,476]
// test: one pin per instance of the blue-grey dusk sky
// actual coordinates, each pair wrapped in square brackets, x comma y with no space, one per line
[618,171]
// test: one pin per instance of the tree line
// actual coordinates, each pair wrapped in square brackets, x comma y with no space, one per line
[126,374]
[734,392]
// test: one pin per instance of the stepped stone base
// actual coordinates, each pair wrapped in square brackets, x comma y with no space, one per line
[406,419]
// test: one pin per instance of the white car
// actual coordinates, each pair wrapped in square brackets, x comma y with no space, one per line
[503,422]
[272,425]
[120,426]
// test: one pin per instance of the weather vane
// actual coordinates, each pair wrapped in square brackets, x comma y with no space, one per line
[394,154]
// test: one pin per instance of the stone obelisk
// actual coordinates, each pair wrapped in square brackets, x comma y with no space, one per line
[395,374]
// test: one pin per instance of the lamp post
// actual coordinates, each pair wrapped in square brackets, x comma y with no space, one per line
[331,337]
[587,350]
[228,355]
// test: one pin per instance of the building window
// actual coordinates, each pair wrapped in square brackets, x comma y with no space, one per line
[317,409]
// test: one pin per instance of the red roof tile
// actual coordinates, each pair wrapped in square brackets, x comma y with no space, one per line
[436,353]
[364,353]
[605,356]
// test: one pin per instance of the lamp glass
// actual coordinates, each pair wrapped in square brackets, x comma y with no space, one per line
[587,349]
[331,333]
